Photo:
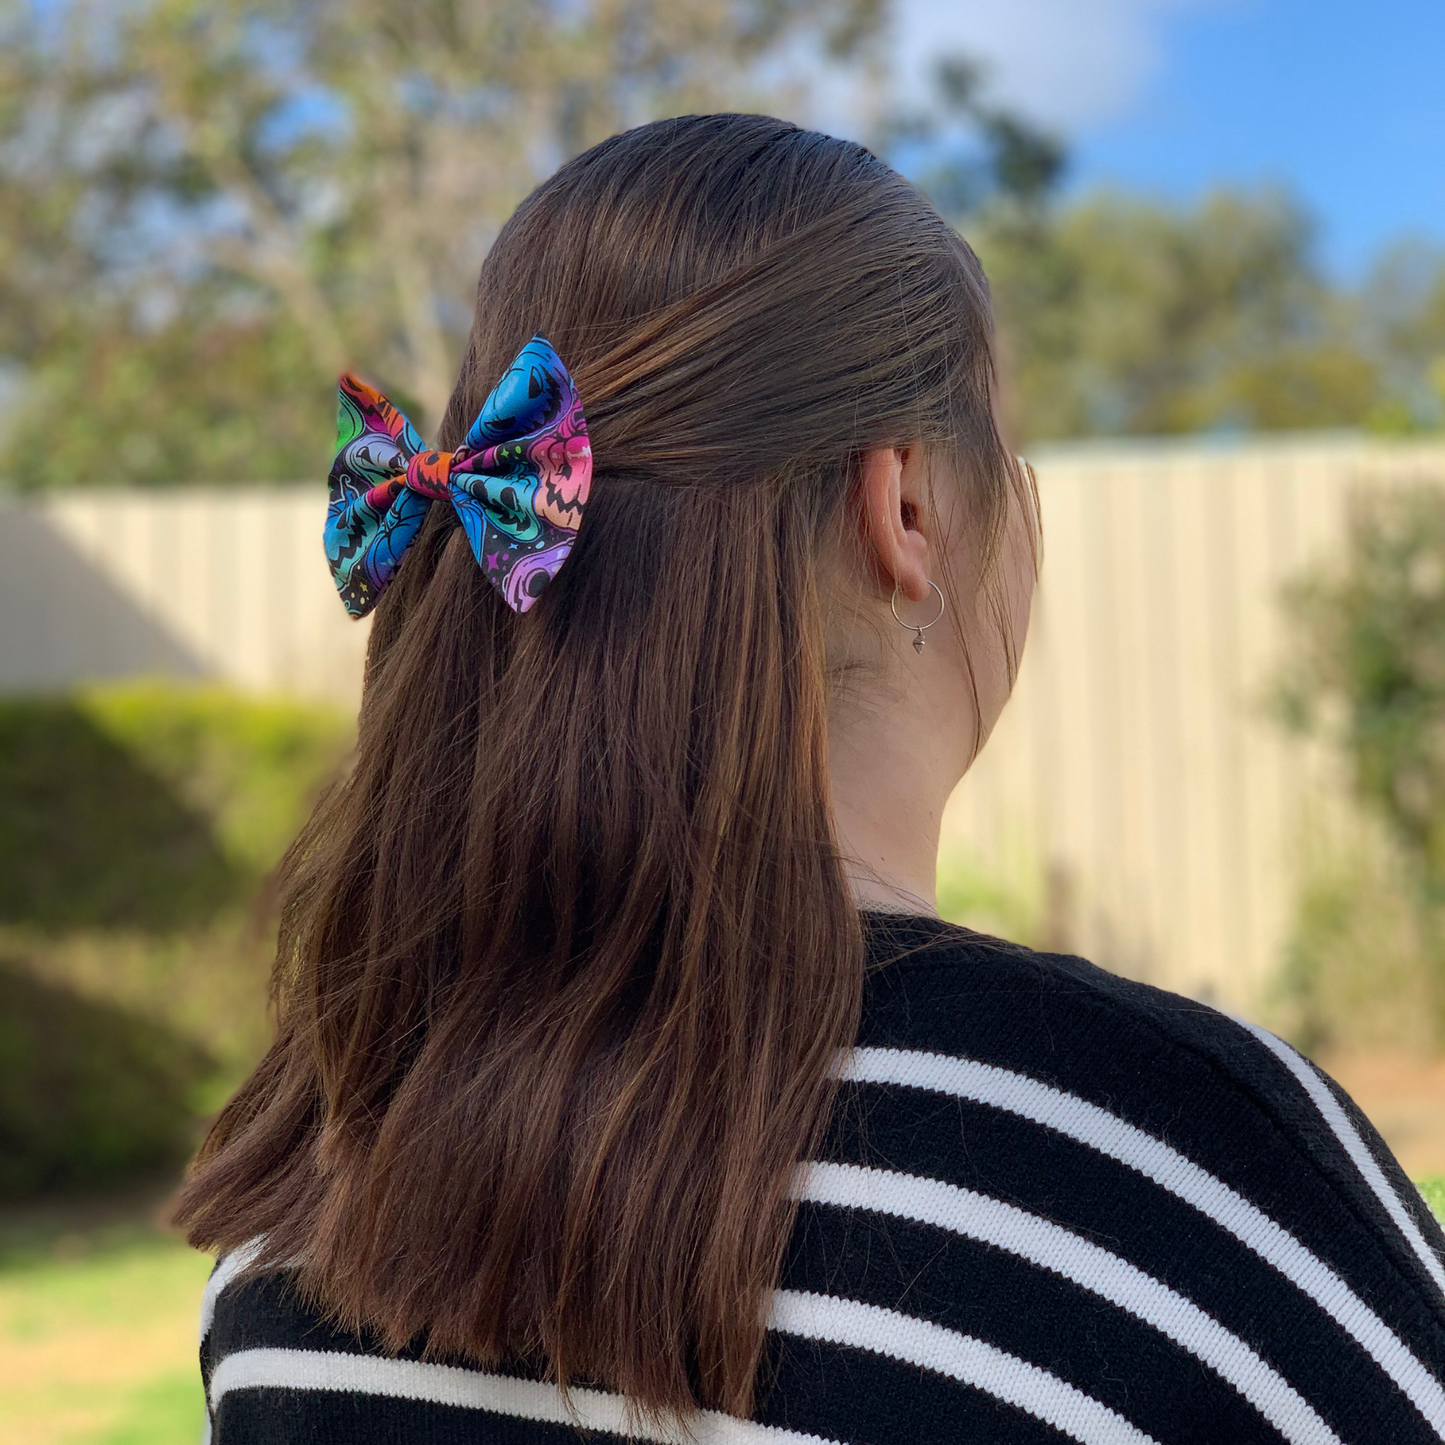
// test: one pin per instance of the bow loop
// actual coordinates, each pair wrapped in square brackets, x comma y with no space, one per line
[519,482]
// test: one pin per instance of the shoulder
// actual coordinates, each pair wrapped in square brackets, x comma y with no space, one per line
[1174,1211]
[1158,1056]
[940,987]
[1212,1107]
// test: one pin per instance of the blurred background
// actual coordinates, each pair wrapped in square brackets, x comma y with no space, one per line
[1216,233]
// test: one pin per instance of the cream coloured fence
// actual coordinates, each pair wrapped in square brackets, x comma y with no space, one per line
[196,581]
[1134,792]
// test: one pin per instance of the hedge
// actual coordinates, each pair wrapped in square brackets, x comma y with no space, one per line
[150,805]
[136,823]
[89,1094]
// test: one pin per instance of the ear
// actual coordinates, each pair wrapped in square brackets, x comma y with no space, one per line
[893,518]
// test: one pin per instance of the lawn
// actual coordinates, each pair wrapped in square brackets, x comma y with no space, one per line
[98,1332]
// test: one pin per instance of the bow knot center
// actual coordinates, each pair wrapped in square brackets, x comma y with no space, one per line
[428,473]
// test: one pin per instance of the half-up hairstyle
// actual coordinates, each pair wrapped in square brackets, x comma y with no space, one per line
[566,961]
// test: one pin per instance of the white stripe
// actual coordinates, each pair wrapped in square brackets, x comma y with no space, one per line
[1354,1146]
[225,1271]
[1087,1123]
[820,1317]
[1054,1248]
[477,1390]
[960,1357]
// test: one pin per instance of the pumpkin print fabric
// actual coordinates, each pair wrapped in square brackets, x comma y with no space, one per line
[519,482]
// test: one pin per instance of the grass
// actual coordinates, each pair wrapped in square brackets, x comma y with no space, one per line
[98,1329]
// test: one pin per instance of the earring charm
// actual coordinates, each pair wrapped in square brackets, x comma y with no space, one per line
[913,626]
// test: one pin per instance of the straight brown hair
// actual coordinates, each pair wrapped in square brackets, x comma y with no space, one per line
[567,959]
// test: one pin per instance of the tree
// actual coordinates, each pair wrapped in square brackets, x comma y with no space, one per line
[967,152]
[210,207]
[1402,320]
[1118,314]
[1122,315]
[314,183]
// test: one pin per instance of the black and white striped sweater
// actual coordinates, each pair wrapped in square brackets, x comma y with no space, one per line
[1053,1204]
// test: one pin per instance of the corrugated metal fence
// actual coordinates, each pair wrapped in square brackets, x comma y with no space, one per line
[197,582]
[1135,794]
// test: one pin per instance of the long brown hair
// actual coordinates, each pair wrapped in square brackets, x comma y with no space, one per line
[565,961]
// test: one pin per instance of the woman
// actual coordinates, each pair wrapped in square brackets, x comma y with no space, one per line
[626,911]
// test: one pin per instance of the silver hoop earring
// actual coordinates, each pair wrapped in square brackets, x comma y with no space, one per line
[913,626]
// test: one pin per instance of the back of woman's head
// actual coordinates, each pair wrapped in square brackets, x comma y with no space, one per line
[567,959]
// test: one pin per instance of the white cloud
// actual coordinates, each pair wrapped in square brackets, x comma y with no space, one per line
[1067,64]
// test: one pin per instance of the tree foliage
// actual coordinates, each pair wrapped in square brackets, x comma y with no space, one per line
[1122,315]
[972,153]
[210,207]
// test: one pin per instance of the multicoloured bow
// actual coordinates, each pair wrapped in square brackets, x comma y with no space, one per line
[519,482]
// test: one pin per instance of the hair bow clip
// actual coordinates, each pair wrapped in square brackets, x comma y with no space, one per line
[519,482]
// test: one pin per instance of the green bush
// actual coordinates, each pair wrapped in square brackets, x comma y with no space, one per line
[150,805]
[1358,968]
[252,767]
[1368,667]
[137,823]
[993,900]
[88,1093]
[89,835]
[1366,675]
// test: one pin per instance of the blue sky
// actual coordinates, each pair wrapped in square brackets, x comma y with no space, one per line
[1344,103]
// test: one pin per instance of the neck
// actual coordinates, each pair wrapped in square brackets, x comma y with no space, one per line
[891,776]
